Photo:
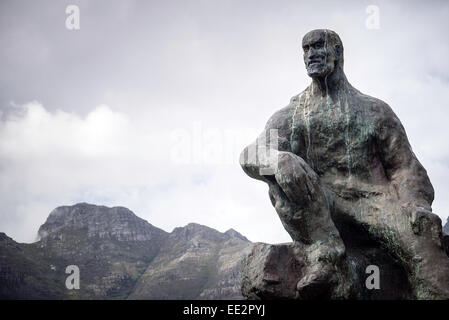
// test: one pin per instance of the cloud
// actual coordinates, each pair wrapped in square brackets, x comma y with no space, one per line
[51,159]
[134,103]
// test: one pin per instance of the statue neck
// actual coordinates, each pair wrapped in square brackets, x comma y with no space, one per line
[330,85]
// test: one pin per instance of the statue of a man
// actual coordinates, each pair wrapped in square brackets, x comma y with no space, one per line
[343,176]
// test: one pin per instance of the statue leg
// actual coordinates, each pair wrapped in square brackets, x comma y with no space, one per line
[430,275]
[303,207]
[389,235]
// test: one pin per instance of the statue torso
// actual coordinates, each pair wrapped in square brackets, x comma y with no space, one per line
[337,138]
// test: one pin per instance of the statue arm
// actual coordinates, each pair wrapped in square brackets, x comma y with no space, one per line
[259,160]
[286,173]
[405,173]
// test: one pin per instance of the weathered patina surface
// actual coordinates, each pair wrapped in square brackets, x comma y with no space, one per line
[350,192]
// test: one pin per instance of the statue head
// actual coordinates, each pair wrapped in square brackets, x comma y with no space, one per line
[323,52]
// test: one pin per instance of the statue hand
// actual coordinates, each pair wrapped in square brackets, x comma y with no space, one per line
[296,178]
[425,221]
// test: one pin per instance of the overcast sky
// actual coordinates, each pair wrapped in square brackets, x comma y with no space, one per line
[149,103]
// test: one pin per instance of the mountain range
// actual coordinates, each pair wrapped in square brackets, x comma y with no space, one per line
[121,256]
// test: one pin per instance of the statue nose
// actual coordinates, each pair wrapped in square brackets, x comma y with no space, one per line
[311,53]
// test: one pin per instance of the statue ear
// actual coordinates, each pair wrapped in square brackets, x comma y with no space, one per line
[337,51]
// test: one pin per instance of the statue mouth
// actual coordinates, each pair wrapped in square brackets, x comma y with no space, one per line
[314,62]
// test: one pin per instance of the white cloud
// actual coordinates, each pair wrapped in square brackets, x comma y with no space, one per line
[51,159]
[160,71]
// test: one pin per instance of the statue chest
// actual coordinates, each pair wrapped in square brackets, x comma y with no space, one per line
[333,135]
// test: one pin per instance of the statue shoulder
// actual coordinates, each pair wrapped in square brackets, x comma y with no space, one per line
[378,109]
[282,118]
[386,122]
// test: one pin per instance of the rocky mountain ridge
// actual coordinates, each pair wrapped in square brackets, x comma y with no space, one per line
[121,256]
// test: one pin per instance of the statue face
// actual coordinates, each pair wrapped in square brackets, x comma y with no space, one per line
[319,56]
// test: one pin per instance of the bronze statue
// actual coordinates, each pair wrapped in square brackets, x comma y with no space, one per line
[348,189]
